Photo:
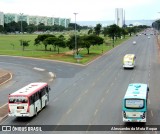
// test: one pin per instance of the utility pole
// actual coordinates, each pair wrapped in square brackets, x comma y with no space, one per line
[76,47]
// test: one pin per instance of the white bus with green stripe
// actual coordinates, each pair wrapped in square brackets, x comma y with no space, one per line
[134,106]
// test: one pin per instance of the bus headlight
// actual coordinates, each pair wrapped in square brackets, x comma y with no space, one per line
[143,116]
[124,114]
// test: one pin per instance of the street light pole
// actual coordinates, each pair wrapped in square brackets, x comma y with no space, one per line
[21,15]
[76,48]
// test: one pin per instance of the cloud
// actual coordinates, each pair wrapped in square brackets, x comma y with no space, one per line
[86,9]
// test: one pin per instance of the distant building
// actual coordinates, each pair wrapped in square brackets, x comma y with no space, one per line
[2,18]
[119,17]
[36,20]
[10,17]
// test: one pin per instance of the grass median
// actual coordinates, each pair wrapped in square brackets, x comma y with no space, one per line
[10,45]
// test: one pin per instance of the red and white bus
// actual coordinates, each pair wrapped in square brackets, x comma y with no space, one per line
[29,100]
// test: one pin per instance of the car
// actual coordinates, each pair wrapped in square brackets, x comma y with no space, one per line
[148,37]
[134,42]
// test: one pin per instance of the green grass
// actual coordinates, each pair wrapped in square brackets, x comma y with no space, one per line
[10,45]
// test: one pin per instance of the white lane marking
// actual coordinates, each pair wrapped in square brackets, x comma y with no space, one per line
[39,69]
[70,110]
[4,105]
[93,84]
[102,100]
[74,84]
[112,84]
[151,113]
[78,100]
[51,79]
[55,99]
[86,91]
[52,74]
[95,112]
[66,91]
[107,92]
[98,78]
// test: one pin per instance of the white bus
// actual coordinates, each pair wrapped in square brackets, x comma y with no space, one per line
[29,100]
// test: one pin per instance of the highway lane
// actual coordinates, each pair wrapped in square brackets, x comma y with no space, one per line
[21,75]
[94,94]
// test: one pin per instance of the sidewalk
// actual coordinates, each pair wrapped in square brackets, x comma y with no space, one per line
[4,77]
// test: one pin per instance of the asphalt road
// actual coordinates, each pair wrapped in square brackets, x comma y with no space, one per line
[92,94]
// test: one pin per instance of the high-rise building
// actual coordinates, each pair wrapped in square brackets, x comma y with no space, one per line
[119,19]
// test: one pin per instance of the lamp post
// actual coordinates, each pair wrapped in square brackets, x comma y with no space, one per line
[76,48]
[21,15]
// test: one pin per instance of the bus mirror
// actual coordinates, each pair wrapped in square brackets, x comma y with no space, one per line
[147,89]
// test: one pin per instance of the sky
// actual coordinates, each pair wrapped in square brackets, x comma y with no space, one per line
[87,10]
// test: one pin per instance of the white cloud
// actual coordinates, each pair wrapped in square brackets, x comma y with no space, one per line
[86,9]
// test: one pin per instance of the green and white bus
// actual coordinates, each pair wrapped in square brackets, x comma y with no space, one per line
[134,106]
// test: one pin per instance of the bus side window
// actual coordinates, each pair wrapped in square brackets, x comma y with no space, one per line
[43,91]
[36,96]
[40,94]
[31,99]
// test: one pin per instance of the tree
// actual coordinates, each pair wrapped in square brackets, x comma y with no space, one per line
[24,26]
[71,42]
[114,31]
[24,43]
[60,42]
[90,31]
[88,41]
[130,30]
[156,24]
[41,38]
[31,28]
[98,29]
[1,28]
[105,31]
[41,27]
[51,41]
[124,32]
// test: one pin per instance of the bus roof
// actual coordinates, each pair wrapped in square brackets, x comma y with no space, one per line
[128,56]
[137,90]
[29,89]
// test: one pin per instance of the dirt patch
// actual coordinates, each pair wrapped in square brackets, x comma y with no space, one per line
[69,53]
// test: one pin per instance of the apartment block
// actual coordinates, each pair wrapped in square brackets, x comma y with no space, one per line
[36,20]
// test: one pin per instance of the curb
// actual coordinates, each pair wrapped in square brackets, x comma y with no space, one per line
[4,79]
[4,113]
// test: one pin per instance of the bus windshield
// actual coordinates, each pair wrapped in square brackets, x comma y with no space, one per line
[134,103]
[18,99]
